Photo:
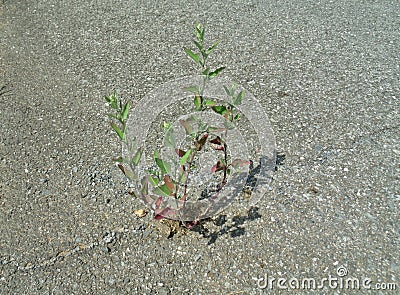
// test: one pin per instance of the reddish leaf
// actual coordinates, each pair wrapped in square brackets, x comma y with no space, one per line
[158,202]
[216,144]
[200,143]
[240,163]
[168,183]
[217,167]
[190,224]
[164,213]
[158,217]
[216,140]
[180,152]
[217,147]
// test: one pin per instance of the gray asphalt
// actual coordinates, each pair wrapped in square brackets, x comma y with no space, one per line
[327,73]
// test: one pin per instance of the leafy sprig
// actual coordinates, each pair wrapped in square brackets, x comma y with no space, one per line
[120,115]
[161,177]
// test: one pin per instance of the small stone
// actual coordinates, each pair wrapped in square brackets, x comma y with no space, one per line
[106,249]
[140,213]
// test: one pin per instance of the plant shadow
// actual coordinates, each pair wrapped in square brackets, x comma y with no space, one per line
[4,90]
[236,229]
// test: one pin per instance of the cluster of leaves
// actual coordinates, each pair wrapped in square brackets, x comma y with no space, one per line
[168,182]
[200,60]
[198,132]
[120,115]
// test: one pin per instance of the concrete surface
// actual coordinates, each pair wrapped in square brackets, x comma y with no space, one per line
[327,73]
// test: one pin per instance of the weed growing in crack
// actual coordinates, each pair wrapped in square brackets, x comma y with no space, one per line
[174,172]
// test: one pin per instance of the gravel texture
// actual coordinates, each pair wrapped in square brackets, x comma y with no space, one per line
[327,73]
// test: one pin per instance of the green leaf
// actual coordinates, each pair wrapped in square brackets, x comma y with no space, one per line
[210,103]
[200,32]
[231,91]
[170,138]
[132,146]
[125,112]
[183,160]
[166,126]
[192,89]
[128,173]
[121,160]
[162,190]
[216,129]
[165,167]
[182,176]
[219,109]
[197,102]
[138,155]
[228,92]
[155,155]
[187,126]
[121,134]
[205,72]
[192,55]
[239,98]
[198,45]
[237,117]
[234,88]
[155,173]
[153,180]
[112,100]
[209,50]
[202,126]
[216,72]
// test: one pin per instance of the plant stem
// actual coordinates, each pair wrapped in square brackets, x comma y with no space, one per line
[188,172]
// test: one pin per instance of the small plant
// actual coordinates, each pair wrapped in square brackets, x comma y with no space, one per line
[120,114]
[173,171]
